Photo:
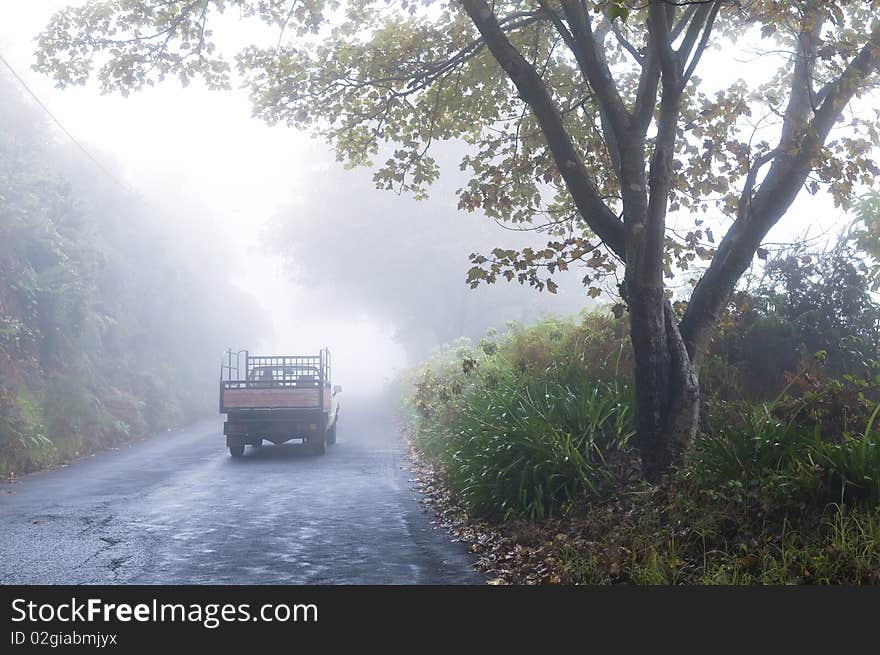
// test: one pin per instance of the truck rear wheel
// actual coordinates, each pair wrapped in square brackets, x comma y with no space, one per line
[318,443]
[236,449]
[331,435]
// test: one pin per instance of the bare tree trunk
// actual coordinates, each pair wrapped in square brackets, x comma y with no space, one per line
[667,391]
[683,411]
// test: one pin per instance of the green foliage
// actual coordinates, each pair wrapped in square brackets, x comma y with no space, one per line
[534,424]
[676,538]
[524,425]
[810,309]
[811,326]
[753,455]
[108,330]
[867,234]
[23,429]
[842,548]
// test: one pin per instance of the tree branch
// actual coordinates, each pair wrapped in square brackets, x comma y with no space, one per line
[693,31]
[850,81]
[626,45]
[658,27]
[660,169]
[683,22]
[800,101]
[595,68]
[757,215]
[701,47]
[646,94]
[745,197]
[532,89]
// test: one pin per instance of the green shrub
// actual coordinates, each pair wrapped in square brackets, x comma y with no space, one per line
[781,455]
[23,432]
[522,425]
[853,463]
[806,305]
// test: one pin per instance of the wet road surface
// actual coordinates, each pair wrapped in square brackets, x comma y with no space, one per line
[176,509]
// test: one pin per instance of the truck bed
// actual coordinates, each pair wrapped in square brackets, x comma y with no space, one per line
[276,398]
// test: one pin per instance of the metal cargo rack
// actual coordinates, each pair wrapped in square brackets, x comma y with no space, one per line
[241,370]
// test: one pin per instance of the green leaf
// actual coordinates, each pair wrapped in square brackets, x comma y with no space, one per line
[618,10]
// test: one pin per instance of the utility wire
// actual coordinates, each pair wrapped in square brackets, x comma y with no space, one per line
[84,150]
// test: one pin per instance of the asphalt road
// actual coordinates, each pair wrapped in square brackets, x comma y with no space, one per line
[176,509]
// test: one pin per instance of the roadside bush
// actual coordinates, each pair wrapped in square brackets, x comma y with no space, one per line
[811,311]
[528,423]
[23,432]
[781,485]
[524,425]
[811,328]
[534,425]
[781,457]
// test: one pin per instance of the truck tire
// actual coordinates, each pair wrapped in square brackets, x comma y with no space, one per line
[318,443]
[236,450]
[331,435]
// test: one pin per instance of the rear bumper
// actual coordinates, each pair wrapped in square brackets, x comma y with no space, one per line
[278,429]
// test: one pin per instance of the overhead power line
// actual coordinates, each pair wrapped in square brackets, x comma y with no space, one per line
[57,122]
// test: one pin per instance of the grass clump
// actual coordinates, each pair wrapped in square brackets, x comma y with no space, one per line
[780,456]
[526,424]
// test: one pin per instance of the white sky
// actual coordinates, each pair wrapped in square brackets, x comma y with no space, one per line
[207,146]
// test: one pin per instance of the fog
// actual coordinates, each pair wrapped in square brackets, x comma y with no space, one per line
[328,260]
[149,238]
[200,150]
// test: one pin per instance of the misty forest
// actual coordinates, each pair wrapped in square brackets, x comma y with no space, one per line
[601,276]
